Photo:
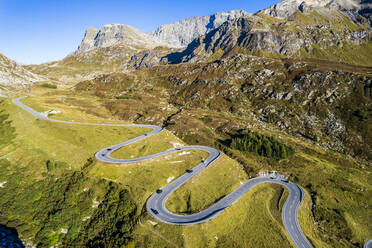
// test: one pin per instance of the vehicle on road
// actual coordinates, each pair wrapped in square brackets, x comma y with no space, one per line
[154,211]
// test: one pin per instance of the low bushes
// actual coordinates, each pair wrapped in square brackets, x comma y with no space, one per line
[48,85]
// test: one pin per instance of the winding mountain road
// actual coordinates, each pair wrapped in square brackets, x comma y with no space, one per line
[156,203]
[368,244]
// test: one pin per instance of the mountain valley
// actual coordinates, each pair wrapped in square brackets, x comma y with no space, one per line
[295,79]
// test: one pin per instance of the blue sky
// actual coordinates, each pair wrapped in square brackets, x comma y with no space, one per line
[36,31]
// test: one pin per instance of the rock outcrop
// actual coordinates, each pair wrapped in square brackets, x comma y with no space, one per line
[148,58]
[180,34]
[311,33]
[14,76]
[176,35]
[114,34]
[351,8]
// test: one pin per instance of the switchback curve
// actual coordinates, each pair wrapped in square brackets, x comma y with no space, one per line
[156,203]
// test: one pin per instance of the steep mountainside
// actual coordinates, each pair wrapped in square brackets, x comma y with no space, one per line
[101,51]
[351,8]
[318,107]
[298,73]
[13,76]
[114,34]
[325,33]
[180,34]
[329,103]
[88,64]
[117,47]
[329,30]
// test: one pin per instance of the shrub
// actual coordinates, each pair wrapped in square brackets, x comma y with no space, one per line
[48,85]
[124,96]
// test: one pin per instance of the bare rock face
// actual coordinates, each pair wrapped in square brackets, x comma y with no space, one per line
[180,34]
[148,58]
[351,8]
[89,39]
[114,34]
[176,35]
[14,76]
[289,37]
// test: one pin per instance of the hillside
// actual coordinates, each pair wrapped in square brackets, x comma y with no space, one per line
[328,34]
[100,51]
[287,89]
[14,77]
[290,29]
[114,47]
[180,34]
[321,109]
[354,9]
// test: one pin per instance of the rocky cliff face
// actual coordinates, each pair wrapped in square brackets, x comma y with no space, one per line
[335,30]
[14,76]
[180,34]
[351,8]
[324,34]
[114,34]
[117,47]
[148,58]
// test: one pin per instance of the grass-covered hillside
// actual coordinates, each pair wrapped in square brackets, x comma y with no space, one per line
[292,95]
[54,197]
[310,106]
[328,103]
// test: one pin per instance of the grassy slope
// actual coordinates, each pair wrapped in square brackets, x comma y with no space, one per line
[62,141]
[66,142]
[154,144]
[339,183]
[41,202]
[216,181]
[144,178]
[247,223]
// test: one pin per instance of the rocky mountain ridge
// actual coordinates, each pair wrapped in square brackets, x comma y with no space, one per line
[176,35]
[114,34]
[351,8]
[312,33]
[321,29]
[14,76]
[180,34]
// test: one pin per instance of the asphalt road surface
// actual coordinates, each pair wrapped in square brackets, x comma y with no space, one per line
[368,244]
[156,203]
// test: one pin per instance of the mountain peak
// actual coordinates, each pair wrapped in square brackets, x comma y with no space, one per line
[286,8]
[88,40]
[181,33]
[14,76]
[178,34]
[113,34]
